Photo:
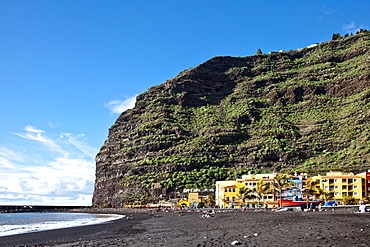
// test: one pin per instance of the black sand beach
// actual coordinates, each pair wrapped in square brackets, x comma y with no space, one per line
[248,228]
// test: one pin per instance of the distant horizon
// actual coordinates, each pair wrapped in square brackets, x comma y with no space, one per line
[32,205]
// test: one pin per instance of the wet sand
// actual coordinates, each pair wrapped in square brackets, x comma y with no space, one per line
[248,228]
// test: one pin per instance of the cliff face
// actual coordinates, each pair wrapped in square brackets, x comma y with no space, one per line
[294,111]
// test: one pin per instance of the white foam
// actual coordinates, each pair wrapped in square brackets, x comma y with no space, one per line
[6,230]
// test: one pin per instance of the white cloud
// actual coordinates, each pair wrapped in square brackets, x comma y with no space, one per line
[78,141]
[64,176]
[118,106]
[6,162]
[327,11]
[349,27]
[34,134]
[353,28]
[8,157]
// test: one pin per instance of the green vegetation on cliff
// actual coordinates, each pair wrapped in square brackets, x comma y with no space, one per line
[305,110]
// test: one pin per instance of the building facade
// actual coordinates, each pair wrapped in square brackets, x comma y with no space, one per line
[228,192]
[342,184]
[345,185]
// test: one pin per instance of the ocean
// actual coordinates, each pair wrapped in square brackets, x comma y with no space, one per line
[17,223]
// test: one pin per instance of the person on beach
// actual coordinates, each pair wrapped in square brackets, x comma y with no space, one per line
[362,208]
[311,207]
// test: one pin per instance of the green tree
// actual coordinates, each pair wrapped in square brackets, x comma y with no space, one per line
[367,199]
[282,182]
[326,195]
[211,200]
[246,194]
[262,189]
[202,203]
[347,200]
[259,52]
[336,36]
[310,190]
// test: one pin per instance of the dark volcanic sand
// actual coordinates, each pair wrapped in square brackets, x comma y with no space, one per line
[250,228]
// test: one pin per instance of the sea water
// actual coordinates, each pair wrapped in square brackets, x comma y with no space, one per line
[17,223]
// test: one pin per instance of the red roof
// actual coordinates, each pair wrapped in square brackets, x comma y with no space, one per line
[231,186]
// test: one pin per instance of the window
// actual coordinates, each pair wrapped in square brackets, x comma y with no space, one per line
[368,181]
[227,198]
[344,181]
[336,180]
[336,194]
[355,180]
[326,187]
[355,193]
[233,199]
[336,187]
[355,186]
[368,189]
[234,190]
[324,181]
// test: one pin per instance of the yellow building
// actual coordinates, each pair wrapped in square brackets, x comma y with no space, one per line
[228,192]
[193,199]
[222,187]
[343,184]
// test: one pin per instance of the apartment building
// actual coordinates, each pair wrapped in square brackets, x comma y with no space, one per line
[345,184]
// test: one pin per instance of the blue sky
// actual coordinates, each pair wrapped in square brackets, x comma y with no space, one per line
[68,68]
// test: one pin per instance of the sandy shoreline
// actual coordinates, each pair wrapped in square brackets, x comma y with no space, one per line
[250,228]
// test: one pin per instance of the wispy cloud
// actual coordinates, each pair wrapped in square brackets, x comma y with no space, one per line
[64,176]
[8,157]
[327,11]
[6,163]
[118,106]
[78,141]
[353,27]
[34,134]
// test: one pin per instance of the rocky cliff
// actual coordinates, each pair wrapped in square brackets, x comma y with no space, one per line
[302,110]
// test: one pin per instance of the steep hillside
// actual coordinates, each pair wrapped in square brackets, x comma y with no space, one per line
[300,110]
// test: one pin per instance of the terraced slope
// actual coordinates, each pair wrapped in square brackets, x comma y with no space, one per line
[305,110]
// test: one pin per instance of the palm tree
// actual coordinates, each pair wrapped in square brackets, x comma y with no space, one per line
[262,189]
[245,194]
[326,195]
[366,199]
[282,182]
[211,200]
[348,200]
[310,190]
